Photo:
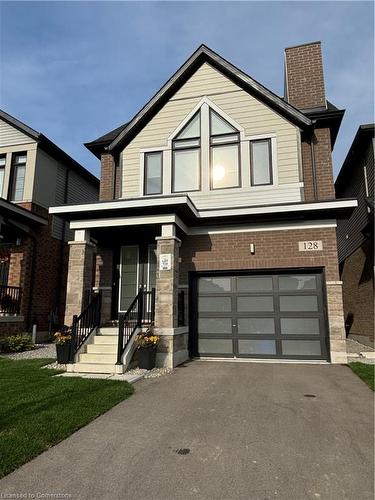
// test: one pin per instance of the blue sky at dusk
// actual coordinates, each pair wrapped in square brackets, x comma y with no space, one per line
[75,70]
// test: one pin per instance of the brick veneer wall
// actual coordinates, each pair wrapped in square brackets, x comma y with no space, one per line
[107,177]
[304,76]
[273,249]
[41,285]
[358,290]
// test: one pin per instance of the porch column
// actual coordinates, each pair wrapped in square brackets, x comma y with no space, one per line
[81,253]
[337,336]
[172,348]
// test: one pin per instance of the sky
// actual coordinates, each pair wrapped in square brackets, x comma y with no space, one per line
[76,70]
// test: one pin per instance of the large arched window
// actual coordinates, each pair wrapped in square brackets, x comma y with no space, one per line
[186,163]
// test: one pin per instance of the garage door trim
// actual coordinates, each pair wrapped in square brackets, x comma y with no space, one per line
[320,293]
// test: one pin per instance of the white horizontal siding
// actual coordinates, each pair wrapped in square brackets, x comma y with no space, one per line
[253,116]
[10,136]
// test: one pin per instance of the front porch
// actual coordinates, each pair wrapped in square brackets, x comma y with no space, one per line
[133,273]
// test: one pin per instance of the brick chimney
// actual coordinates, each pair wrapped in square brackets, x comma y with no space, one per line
[304,79]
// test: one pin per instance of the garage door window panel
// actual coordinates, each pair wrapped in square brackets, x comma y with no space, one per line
[300,326]
[255,303]
[215,346]
[215,285]
[301,348]
[215,304]
[260,347]
[298,303]
[215,326]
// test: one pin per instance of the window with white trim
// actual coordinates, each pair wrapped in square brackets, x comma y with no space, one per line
[2,174]
[261,162]
[224,153]
[18,176]
[186,161]
[153,173]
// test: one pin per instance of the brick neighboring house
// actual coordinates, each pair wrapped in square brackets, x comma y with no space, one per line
[35,174]
[219,196]
[355,236]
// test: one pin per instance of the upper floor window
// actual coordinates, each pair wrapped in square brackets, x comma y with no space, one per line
[153,173]
[225,153]
[186,163]
[2,174]
[18,176]
[261,162]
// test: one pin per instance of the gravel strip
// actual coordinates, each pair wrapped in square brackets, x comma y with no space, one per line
[40,351]
[158,372]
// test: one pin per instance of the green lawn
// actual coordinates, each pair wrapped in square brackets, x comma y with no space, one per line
[365,372]
[38,410]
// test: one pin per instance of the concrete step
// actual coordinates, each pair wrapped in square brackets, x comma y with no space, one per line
[108,330]
[94,368]
[98,358]
[105,339]
[101,348]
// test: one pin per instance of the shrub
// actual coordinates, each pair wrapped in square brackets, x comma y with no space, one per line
[18,343]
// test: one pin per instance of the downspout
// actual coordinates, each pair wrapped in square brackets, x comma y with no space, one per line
[313,165]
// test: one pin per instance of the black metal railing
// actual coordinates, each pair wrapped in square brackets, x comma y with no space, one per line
[84,324]
[141,312]
[10,300]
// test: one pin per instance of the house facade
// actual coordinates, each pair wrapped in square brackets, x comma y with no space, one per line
[35,174]
[355,236]
[219,195]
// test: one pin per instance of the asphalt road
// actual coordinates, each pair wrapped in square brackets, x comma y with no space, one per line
[216,430]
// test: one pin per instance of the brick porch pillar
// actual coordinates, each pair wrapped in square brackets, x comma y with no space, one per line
[337,335]
[172,348]
[81,253]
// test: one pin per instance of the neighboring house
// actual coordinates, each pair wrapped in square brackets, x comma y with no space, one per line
[35,174]
[355,236]
[219,194]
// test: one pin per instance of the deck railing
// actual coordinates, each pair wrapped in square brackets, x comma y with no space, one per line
[10,300]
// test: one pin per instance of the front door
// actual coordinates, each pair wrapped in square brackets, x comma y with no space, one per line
[137,269]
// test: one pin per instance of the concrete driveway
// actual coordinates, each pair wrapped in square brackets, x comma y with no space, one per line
[219,431]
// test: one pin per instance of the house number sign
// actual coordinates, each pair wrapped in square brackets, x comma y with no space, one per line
[165,262]
[310,246]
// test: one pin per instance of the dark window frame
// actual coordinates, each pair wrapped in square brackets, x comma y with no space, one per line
[13,175]
[188,148]
[2,168]
[270,162]
[145,169]
[237,142]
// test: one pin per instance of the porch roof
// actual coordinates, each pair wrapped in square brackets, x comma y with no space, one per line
[12,212]
[181,210]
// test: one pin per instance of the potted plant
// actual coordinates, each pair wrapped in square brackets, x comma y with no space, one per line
[62,339]
[146,344]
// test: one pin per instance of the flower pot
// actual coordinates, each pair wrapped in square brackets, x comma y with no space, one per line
[63,353]
[146,358]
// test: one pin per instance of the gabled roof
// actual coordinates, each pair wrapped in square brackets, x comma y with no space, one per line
[123,134]
[364,134]
[49,147]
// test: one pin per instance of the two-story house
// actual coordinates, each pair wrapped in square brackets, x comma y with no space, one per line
[35,174]
[355,236]
[219,195]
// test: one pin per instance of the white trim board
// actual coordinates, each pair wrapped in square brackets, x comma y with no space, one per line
[203,214]
[128,221]
[253,228]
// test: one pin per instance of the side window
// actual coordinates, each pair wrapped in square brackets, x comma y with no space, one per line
[224,153]
[186,163]
[153,173]
[261,162]
[2,174]
[18,176]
